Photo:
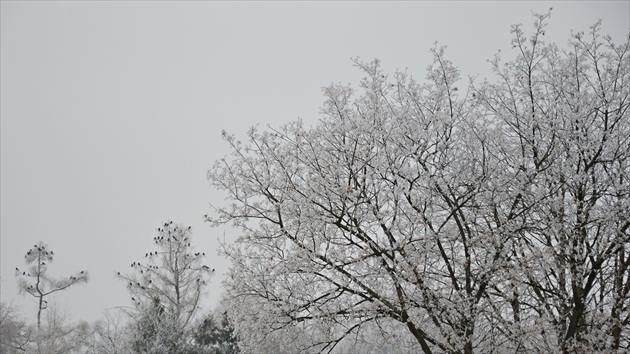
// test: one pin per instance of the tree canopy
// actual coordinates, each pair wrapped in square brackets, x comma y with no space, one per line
[460,216]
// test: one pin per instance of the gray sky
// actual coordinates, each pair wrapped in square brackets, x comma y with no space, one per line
[111,112]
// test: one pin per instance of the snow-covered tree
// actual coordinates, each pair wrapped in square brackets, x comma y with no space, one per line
[15,333]
[215,334]
[478,218]
[110,334]
[55,334]
[36,282]
[166,289]
[564,115]
[58,334]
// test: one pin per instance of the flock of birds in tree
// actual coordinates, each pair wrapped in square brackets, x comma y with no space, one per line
[172,238]
[37,257]
[39,253]
[41,250]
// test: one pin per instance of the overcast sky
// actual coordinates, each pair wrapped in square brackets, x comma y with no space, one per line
[111,112]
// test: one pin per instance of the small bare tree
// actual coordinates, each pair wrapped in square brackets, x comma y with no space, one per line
[14,331]
[110,334]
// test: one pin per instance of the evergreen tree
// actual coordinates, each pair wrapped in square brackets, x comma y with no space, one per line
[216,335]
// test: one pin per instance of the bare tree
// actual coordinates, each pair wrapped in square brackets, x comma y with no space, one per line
[491,218]
[58,334]
[110,334]
[166,289]
[15,334]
